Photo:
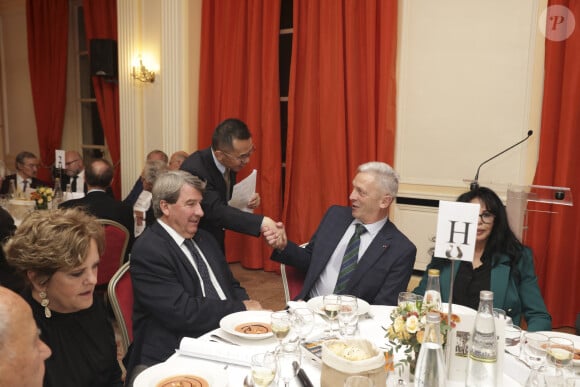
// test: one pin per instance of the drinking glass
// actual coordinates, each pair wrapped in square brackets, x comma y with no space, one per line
[560,353]
[281,324]
[513,337]
[534,354]
[303,322]
[289,359]
[408,300]
[348,315]
[264,367]
[331,304]
[573,381]
[358,381]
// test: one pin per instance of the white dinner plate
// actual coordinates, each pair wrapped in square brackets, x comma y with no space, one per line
[153,375]
[235,320]
[459,309]
[317,306]
[575,339]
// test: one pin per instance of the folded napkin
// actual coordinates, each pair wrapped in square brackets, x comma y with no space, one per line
[297,304]
[221,352]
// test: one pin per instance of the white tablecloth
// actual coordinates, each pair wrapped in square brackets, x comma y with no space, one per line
[370,328]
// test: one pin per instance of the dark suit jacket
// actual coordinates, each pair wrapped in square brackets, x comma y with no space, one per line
[382,272]
[168,302]
[103,206]
[515,296]
[131,199]
[34,184]
[217,214]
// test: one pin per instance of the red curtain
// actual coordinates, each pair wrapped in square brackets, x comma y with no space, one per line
[239,78]
[341,105]
[47,28]
[555,238]
[101,23]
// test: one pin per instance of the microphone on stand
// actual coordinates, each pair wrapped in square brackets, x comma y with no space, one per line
[474,184]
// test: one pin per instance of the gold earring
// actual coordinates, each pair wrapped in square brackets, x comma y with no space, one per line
[44,302]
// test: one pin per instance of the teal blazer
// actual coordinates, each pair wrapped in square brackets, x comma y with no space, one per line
[516,297]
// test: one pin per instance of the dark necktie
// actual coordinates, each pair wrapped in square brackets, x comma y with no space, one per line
[73,185]
[350,259]
[24,185]
[228,183]
[210,291]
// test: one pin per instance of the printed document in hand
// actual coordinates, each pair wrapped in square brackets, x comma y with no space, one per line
[243,192]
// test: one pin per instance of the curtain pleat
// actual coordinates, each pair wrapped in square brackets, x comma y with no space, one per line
[555,238]
[239,78]
[341,104]
[47,28]
[101,23]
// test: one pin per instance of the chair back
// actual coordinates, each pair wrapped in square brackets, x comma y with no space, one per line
[116,240]
[293,280]
[120,292]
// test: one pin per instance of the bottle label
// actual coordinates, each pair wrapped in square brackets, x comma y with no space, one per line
[484,347]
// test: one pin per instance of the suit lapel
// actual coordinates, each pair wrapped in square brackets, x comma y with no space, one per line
[499,281]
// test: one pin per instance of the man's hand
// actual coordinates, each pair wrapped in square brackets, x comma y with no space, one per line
[252,305]
[254,201]
[275,234]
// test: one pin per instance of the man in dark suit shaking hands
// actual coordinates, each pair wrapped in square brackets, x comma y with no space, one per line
[218,165]
[182,283]
[355,250]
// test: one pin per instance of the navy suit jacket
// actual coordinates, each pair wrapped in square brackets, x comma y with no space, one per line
[217,214]
[168,299]
[382,272]
[103,206]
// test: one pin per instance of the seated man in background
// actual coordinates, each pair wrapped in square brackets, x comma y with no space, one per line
[182,283]
[25,176]
[355,250]
[230,151]
[97,202]
[176,160]
[23,352]
[74,173]
[138,186]
[143,210]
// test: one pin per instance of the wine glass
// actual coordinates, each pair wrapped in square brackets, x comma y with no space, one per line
[303,322]
[289,360]
[264,367]
[348,315]
[331,304]
[534,353]
[560,353]
[281,324]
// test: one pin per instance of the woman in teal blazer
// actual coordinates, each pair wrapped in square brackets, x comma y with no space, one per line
[500,264]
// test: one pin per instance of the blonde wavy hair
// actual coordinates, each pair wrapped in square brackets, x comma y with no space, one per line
[48,241]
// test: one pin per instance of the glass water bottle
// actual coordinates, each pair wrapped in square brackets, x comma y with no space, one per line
[430,371]
[482,361]
[432,298]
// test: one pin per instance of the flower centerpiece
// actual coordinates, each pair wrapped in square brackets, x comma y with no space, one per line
[42,196]
[408,328]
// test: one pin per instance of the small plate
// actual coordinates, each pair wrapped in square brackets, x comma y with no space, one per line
[237,323]
[153,375]
[316,305]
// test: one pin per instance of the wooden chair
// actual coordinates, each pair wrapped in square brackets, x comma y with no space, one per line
[116,240]
[292,280]
[120,292]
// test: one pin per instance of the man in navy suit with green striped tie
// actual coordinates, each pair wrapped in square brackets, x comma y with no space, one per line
[356,250]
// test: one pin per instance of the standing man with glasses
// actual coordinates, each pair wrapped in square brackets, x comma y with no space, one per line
[25,176]
[355,250]
[218,165]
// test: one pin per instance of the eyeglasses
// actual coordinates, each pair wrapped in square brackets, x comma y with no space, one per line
[487,217]
[70,162]
[243,157]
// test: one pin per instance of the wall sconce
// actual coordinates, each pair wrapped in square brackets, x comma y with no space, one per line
[141,73]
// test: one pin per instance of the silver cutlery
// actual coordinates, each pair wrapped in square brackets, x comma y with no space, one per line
[219,338]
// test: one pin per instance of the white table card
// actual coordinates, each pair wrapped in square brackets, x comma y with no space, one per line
[456,230]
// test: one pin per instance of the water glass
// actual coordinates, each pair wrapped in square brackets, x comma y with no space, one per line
[289,359]
[534,349]
[303,322]
[358,381]
[348,316]
[264,367]
[513,338]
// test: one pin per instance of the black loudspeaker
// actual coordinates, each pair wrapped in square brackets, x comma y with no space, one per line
[103,56]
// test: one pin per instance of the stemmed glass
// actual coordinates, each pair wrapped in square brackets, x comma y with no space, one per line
[331,305]
[303,322]
[348,315]
[409,301]
[534,353]
[281,324]
[289,360]
[560,353]
[264,367]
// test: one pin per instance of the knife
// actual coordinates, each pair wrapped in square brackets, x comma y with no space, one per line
[304,379]
[219,338]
